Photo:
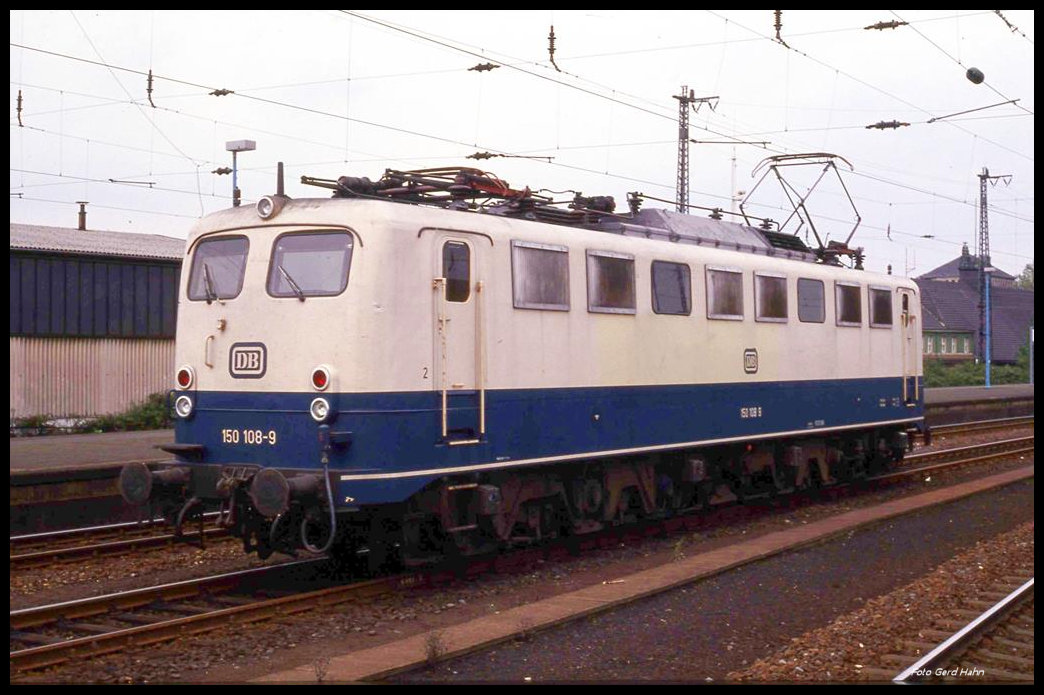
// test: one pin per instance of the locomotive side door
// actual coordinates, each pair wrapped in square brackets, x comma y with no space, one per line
[911,345]
[459,360]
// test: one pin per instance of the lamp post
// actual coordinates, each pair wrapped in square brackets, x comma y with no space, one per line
[236,146]
[988,270]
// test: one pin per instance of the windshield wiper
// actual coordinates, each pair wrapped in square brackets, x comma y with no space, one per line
[297,290]
[208,284]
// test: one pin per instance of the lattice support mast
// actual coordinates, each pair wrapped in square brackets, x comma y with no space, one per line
[984,251]
[685,100]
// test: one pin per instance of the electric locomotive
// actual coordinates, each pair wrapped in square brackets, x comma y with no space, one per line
[435,363]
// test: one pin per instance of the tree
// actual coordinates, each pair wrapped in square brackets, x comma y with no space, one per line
[1025,279]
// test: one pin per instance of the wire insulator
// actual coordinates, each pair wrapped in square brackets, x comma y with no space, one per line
[551,48]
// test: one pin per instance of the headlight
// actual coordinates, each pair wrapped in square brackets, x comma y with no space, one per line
[268,206]
[183,406]
[320,410]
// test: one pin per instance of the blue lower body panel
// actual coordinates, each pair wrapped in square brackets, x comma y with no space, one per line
[392,444]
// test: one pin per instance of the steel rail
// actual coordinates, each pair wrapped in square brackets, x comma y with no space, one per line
[982,425]
[993,449]
[42,558]
[106,531]
[966,635]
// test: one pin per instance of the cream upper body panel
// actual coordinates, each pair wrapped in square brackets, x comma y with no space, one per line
[382,332]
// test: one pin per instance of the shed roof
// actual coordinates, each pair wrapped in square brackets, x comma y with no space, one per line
[31,237]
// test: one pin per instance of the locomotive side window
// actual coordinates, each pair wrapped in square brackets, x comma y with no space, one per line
[610,282]
[811,300]
[310,264]
[456,268]
[880,307]
[849,307]
[671,288]
[770,298]
[724,294]
[217,268]
[540,276]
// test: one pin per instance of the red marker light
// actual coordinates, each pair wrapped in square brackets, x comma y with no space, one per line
[184,377]
[320,378]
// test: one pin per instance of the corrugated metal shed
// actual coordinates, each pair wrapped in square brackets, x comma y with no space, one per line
[75,283]
[85,377]
[92,316]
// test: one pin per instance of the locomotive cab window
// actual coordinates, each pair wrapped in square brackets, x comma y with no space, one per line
[848,304]
[880,307]
[610,282]
[217,271]
[724,294]
[456,268]
[311,264]
[811,300]
[671,288]
[540,276]
[770,298]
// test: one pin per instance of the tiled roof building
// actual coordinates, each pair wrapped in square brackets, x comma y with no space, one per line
[950,304]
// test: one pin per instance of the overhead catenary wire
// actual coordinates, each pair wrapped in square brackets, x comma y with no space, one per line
[150,121]
[390,127]
[1012,26]
[957,60]
[605,172]
[874,87]
[535,150]
[447,45]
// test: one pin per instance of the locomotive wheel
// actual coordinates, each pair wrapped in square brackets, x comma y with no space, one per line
[704,491]
[264,545]
[383,551]
[557,520]
[381,557]
[668,495]
[783,478]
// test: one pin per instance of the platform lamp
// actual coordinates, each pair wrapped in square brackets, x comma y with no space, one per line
[236,146]
[987,328]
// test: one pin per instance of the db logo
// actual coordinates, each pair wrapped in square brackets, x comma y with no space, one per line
[247,360]
[750,361]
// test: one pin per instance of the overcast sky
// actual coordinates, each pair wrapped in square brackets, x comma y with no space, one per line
[333,93]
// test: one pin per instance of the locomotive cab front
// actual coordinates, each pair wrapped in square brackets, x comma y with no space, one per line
[265,312]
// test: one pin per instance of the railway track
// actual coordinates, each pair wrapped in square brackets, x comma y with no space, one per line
[996,645]
[48,635]
[74,545]
[963,455]
[981,426]
[53,634]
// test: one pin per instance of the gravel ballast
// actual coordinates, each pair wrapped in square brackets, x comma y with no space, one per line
[717,629]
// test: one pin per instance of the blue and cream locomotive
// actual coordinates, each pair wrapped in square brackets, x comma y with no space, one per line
[436,363]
